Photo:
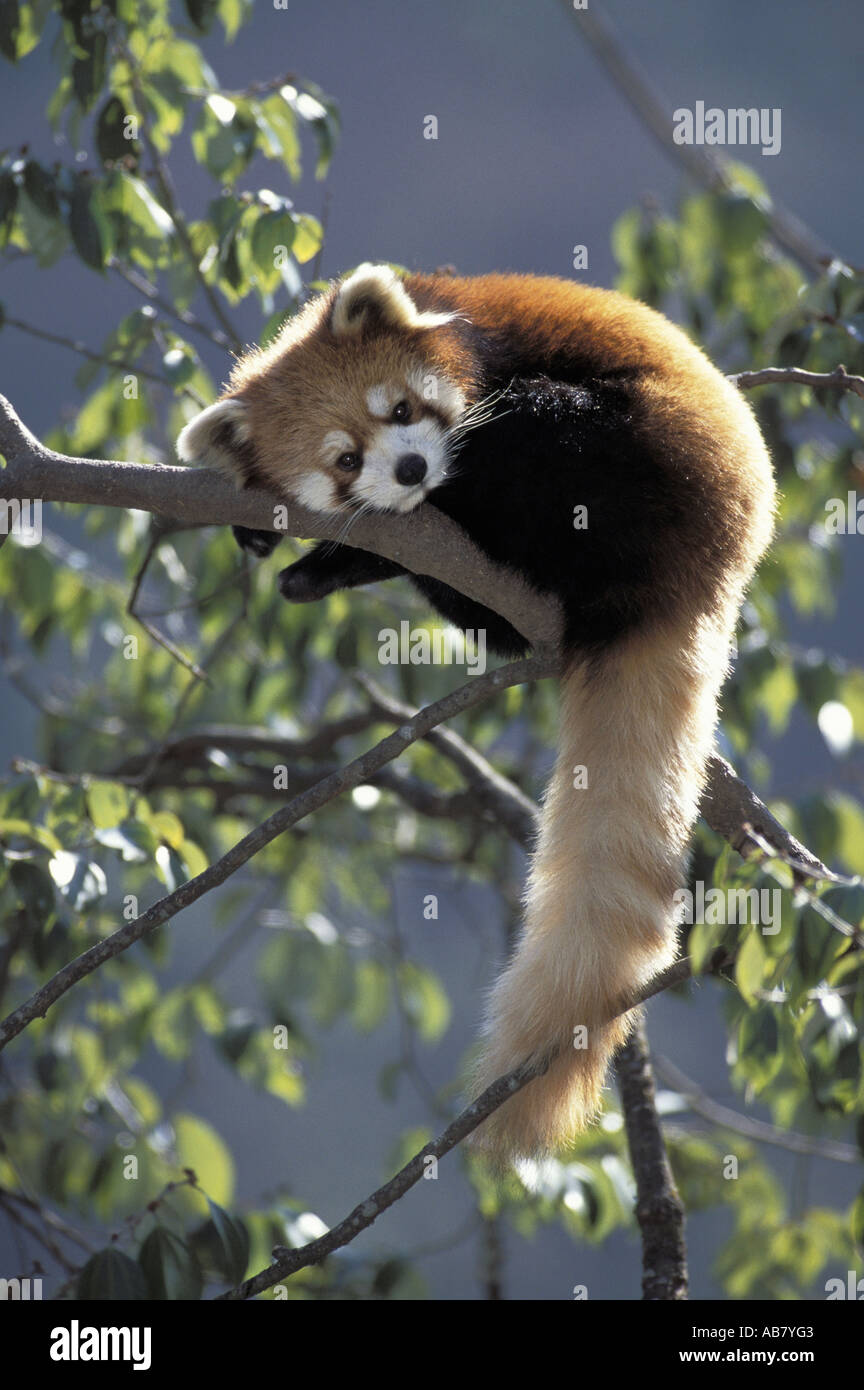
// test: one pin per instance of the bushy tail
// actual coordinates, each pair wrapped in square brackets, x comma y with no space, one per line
[599,920]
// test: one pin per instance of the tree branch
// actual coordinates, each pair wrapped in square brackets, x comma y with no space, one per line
[749,1126]
[113,363]
[838,380]
[706,166]
[659,1209]
[424,541]
[288,1262]
[345,779]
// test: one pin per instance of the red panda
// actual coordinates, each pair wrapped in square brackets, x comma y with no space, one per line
[509,402]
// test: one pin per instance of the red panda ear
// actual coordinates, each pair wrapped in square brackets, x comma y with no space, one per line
[372,297]
[220,437]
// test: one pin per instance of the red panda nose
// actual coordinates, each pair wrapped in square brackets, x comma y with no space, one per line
[410,469]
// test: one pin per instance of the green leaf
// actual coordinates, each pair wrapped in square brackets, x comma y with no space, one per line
[750,965]
[743,220]
[851,694]
[424,1000]
[170,1268]
[8,197]
[174,1025]
[308,237]
[89,229]
[200,1148]
[108,803]
[133,841]
[41,188]
[10,827]
[233,1243]
[371,995]
[34,890]
[45,235]
[224,137]
[202,13]
[110,1276]
[233,13]
[88,73]
[10,28]
[179,365]
[111,141]
[271,230]
[130,197]
[81,882]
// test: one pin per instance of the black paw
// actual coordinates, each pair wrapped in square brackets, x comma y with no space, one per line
[260,543]
[301,584]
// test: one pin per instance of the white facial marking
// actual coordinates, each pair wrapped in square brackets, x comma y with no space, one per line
[377,482]
[438,391]
[380,401]
[315,491]
[335,443]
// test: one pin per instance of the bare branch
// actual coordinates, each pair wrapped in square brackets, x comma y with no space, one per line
[192,745]
[838,380]
[734,811]
[659,1209]
[706,166]
[113,363]
[139,282]
[702,1104]
[287,1262]
[511,807]
[152,631]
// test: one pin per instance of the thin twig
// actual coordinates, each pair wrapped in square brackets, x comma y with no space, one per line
[702,1104]
[114,363]
[139,282]
[288,1262]
[838,380]
[152,631]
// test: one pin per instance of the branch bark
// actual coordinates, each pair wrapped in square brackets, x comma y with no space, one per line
[424,541]
[659,1209]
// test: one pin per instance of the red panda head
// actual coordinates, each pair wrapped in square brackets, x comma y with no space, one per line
[352,405]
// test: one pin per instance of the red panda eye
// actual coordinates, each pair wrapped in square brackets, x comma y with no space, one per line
[349,463]
[402,412]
